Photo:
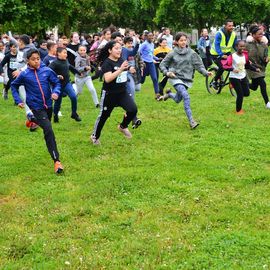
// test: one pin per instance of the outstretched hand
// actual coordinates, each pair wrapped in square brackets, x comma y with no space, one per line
[21,105]
[54,96]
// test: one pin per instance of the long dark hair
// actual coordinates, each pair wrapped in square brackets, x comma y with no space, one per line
[104,52]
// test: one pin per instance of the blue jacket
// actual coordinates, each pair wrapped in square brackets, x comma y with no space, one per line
[37,83]
[218,41]
[147,52]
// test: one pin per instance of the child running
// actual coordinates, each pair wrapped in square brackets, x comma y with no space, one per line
[258,54]
[237,63]
[161,51]
[37,80]
[179,66]
[10,60]
[61,67]
[82,64]
[147,53]
[114,91]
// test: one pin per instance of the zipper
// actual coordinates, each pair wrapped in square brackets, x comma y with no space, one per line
[41,91]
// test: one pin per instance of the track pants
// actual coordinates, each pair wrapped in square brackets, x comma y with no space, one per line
[107,103]
[43,119]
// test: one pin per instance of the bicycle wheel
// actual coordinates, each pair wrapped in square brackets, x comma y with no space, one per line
[211,86]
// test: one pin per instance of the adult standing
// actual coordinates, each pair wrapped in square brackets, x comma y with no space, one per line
[204,48]
[168,37]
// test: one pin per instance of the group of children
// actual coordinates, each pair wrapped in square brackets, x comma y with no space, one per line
[48,80]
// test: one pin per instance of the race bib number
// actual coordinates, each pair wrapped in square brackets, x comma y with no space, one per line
[13,65]
[122,77]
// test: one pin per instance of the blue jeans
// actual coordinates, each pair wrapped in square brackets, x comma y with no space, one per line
[150,69]
[67,89]
[130,85]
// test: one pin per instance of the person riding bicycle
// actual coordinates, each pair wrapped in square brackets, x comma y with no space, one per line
[224,42]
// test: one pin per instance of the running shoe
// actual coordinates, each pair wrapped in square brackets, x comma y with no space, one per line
[58,168]
[125,131]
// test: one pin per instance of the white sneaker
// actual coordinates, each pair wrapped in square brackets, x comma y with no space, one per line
[60,114]
[94,140]
[267,105]
[193,124]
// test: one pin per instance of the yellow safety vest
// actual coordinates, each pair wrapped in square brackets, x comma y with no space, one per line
[224,48]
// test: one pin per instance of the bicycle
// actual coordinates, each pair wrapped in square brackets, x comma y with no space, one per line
[216,87]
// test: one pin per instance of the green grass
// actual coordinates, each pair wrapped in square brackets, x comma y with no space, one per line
[170,198]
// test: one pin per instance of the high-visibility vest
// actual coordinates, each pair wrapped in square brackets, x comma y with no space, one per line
[224,48]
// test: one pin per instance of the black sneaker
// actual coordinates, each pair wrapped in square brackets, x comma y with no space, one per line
[97,105]
[76,117]
[137,123]
[215,85]
[55,118]
[166,96]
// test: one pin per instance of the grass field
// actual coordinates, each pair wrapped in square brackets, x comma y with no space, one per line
[170,198]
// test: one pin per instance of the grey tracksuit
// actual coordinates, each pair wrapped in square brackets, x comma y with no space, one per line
[81,63]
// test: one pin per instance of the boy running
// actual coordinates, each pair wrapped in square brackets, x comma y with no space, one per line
[37,80]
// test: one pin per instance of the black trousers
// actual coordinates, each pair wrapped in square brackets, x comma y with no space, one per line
[43,119]
[162,84]
[220,71]
[255,83]
[107,103]
[241,87]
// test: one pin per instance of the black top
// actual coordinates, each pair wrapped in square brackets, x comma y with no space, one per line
[72,54]
[118,85]
[11,61]
[62,67]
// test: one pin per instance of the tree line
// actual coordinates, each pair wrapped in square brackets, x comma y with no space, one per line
[37,16]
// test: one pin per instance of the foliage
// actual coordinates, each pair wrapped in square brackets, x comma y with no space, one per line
[36,16]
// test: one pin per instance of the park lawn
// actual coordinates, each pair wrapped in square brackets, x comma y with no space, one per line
[170,198]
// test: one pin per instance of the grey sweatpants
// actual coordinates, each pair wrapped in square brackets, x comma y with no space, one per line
[88,81]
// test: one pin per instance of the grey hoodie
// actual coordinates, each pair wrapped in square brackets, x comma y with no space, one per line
[182,62]
[80,64]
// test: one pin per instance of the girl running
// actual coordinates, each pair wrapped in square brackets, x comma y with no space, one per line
[258,55]
[161,51]
[237,63]
[114,91]
[82,64]
[179,66]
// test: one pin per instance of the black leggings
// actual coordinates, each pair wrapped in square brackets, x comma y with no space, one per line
[260,82]
[107,103]
[43,119]
[242,90]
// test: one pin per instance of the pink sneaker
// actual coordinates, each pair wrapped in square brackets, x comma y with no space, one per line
[94,140]
[125,131]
